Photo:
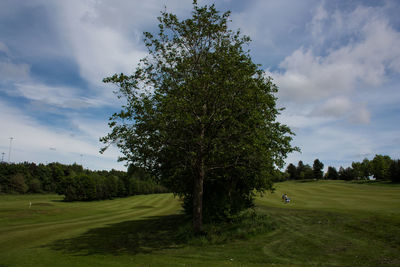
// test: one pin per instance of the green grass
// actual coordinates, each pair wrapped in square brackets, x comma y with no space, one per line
[335,223]
[327,223]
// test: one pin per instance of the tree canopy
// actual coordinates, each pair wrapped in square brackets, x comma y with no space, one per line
[318,169]
[75,182]
[201,116]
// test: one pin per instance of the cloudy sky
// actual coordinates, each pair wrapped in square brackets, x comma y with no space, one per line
[336,63]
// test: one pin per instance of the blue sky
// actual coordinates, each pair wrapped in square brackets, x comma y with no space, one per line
[336,63]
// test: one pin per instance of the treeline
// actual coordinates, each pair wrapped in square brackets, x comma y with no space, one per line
[74,182]
[381,168]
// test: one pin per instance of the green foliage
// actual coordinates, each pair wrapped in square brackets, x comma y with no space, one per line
[17,184]
[139,173]
[44,174]
[357,169]
[317,169]
[84,187]
[74,182]
[300,169]
[200,116]
[304,171]
[380,167]
[346,174]
[292,172]
[394,171]
[245,225]
[362,170]
[332,174]
[280,176]
[365,169]
[35,186]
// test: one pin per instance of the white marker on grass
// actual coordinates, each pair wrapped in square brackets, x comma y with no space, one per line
[30,204]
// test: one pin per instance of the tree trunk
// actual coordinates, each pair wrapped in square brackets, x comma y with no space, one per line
[198,188]
[198,200]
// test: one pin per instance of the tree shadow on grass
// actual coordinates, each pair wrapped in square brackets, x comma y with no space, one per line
[129,237]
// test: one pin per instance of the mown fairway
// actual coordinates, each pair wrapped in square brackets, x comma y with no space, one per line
[327,223]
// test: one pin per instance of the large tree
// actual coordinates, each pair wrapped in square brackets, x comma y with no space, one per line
[201,116]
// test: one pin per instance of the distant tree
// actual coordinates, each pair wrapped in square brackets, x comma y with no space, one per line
[304,171]
[307,173]
[394,171]
[380,167]
[69,188]
[57,170]
[332,174]
[280,176]
[361,170]
[43,173]
[357,170]
[300,170]
[112,186]
[4,177]
[201,116]
[346,174]
[17,184]
[317,169]
[75,168]
[86,187]
[35,186]
[365,168]
[292,172]
[138,172]
[121,190]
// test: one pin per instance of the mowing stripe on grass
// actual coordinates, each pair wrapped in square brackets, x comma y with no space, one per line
[327,223]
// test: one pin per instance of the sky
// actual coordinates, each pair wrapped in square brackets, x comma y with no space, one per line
[336,63]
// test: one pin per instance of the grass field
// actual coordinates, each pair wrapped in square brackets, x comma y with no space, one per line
[326,223]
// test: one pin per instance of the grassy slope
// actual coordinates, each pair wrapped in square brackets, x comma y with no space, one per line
[327,223]
[335,223]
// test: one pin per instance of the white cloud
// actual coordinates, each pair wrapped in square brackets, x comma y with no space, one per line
[297,119]
[330,88]
[360,116]
[333,144]
[105,37]
[273,25]
[375,48]
[308,78]
[125,15]
[99,51]
[334,107]
[35,142]
[17,80]
[93,129]
[317,23]
[58,96]
[4,48]
[10,71]
[342,107]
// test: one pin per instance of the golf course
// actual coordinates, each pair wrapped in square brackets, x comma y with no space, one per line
[332,223]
